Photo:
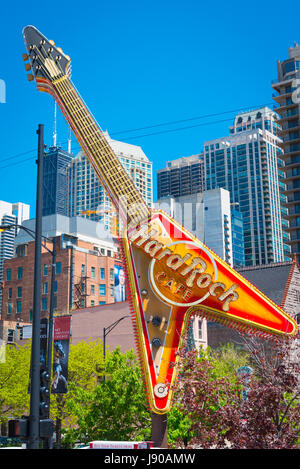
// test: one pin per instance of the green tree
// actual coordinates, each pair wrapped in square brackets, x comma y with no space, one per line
[114,409]
[85,367]
[14,378]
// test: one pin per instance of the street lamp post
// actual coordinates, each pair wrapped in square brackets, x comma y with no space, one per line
[34,418]
[106,331]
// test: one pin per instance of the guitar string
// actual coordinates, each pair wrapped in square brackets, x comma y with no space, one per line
[98,154]
[64,91]
[85,117]
[62,88]
[123,177]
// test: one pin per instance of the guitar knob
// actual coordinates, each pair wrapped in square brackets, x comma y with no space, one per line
[161,390]
[30,77]
[156,342]
[156,321]
[27,67]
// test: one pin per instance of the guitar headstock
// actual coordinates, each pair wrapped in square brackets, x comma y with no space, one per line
[46,61]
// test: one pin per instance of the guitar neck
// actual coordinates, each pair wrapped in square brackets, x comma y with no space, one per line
[127,200]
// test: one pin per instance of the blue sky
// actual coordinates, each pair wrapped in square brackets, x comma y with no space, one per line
[138,64]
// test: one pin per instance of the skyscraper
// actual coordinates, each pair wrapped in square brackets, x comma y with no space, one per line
[246,164]
[10,214]
[55,192]
[207,215]
[181,177]
[287,96]
[87,197]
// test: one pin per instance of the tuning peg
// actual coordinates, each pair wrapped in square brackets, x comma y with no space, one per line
[30,77]
[27,67]
[51,42]
[25,57]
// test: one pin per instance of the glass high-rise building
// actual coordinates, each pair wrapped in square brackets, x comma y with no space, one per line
[88,198]
[287,88]
[237,228]
[183,176]
[55,194]
[10,214]
[248,163]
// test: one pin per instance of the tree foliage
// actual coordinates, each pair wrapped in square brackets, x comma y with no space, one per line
[221,417]
[114,409]
[14,378]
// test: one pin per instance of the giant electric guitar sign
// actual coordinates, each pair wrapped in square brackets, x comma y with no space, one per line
[171,274]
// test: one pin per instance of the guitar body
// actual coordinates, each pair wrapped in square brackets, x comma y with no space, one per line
[172,275]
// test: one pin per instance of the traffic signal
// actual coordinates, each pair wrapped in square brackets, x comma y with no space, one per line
[46,428]
[44,392]
[18,428]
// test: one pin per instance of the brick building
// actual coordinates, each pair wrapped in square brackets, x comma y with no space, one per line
[84,273]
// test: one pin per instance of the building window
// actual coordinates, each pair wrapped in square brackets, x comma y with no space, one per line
[45,288]
[112,290]
[92,272]
[55,286]
[92,303]
[92,289]
[19,292]
[10,336]
[8,275]
[102,302]
[9,307]
[20,272]
[44,304]
[102,273]
[19,306]
[200,329]
[58,267]
[10,293]
[111,275]
[82,269]
[45,270]
[102,289]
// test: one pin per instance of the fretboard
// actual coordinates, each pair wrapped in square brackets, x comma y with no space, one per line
[119,186]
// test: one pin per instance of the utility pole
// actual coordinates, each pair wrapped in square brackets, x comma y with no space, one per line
[34,417]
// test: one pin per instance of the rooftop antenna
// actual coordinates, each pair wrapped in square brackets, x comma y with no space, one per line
[54,130]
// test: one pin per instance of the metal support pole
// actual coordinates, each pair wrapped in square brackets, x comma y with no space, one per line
[159,434]
[48,444]
[106,331]
[34,417]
